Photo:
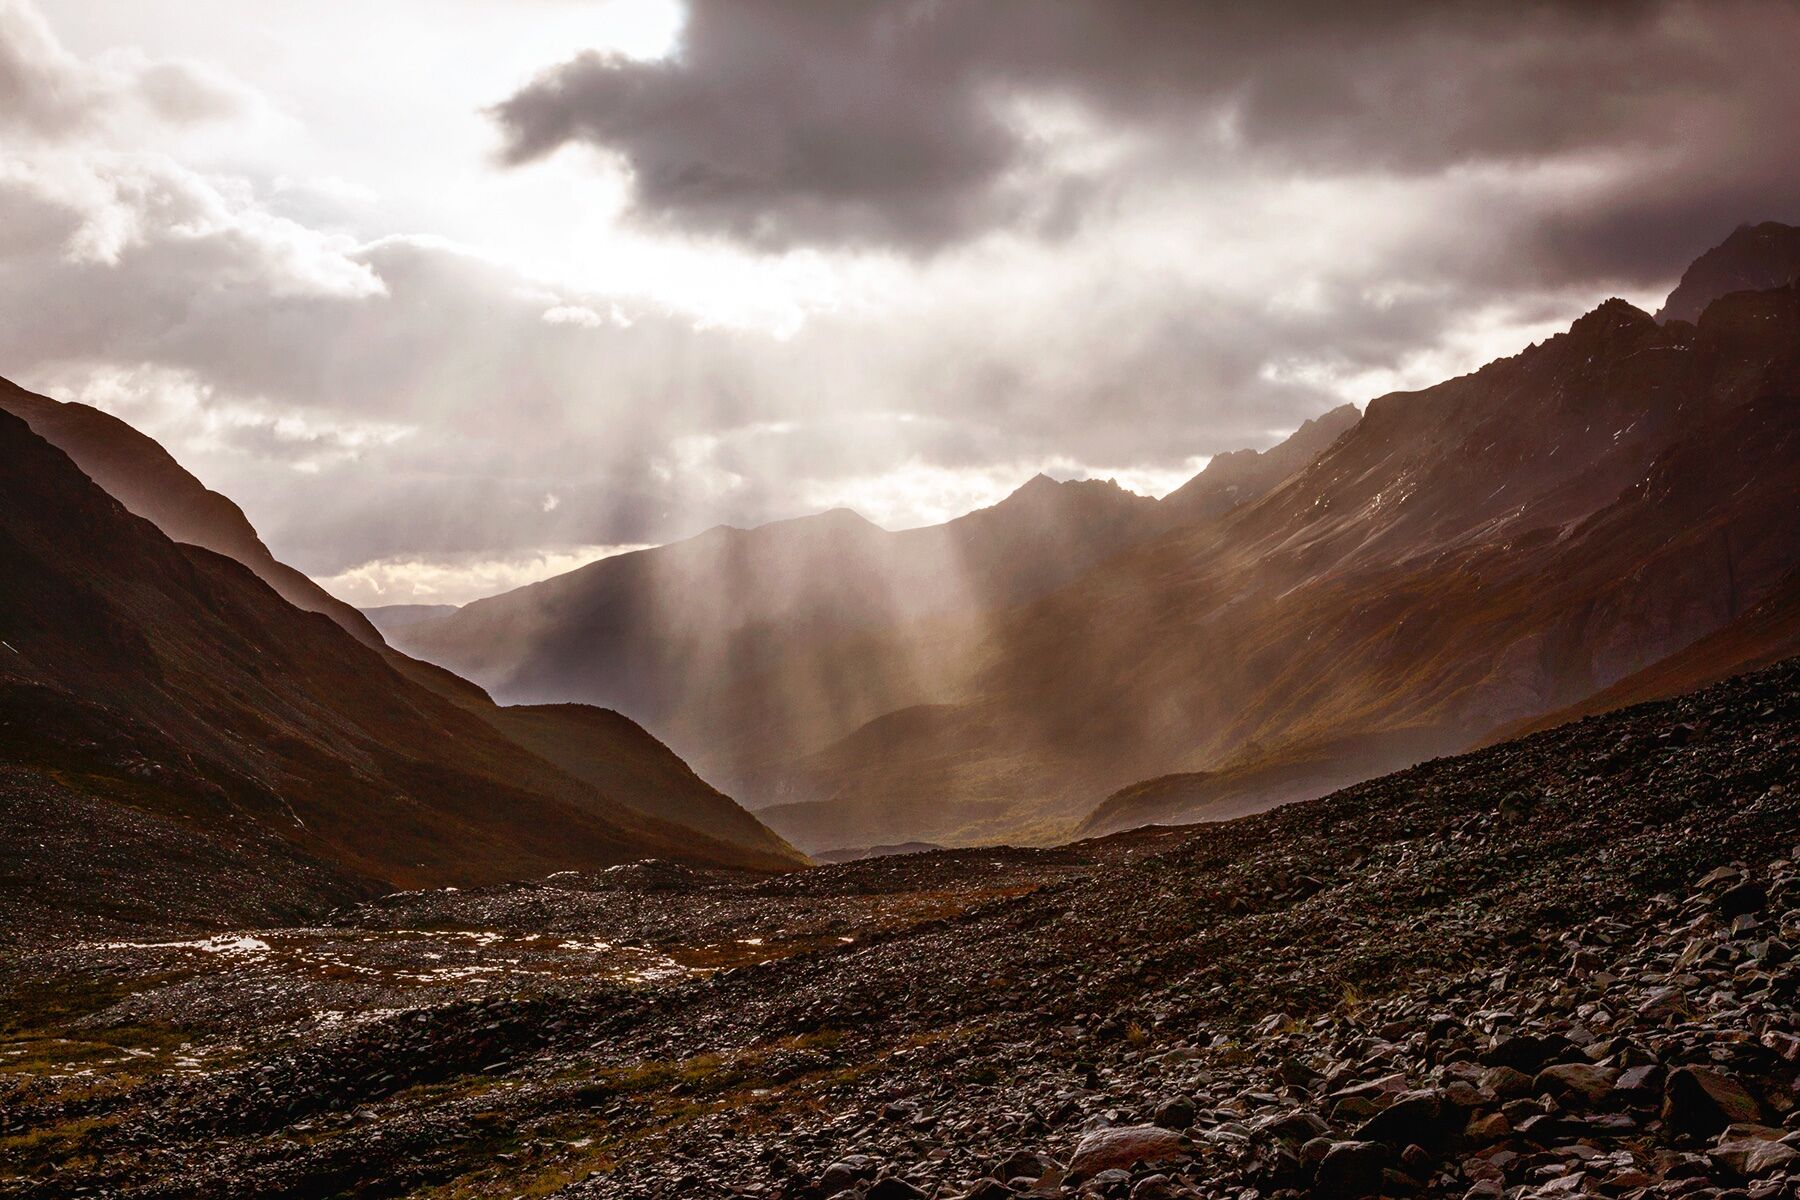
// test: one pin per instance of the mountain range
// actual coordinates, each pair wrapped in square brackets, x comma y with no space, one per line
[1076,659]
[181,740]
[748,647]
[1545,538]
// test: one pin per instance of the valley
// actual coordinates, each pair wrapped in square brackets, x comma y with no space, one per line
[935,600]
[1561,964]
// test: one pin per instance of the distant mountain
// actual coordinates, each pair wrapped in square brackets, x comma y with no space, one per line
[1242,476]
[142,476]
[1377,590]
[860,853]
[753,649]
[739,643]
[1753,258]
[1496,547]
[389,617]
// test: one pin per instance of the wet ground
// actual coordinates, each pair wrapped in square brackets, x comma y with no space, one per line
[84,1017]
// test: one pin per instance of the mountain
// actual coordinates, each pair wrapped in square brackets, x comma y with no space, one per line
[389,617]
[142,476]
[1496,547]
[174,698]
[1375,591]
[586,742]
[609,752]
[1767,634]
[737,642]
[753,649]
[1753,258]
[1242,476]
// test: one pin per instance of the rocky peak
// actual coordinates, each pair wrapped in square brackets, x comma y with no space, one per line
[1041,491]
[1753,258]
[1240,476]
[1610,317]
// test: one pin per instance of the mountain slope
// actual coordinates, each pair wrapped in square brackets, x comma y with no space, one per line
[1767,634]
[1563,959]
[739,641]
[137,472]
[172,680]
[613,755]
[389,617]
[1494,547]
[1244,476]
[585,741]
[1753,258]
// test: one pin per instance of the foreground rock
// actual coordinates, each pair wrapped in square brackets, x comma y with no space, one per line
[1561,967]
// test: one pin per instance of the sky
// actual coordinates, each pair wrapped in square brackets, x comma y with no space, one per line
[451,295]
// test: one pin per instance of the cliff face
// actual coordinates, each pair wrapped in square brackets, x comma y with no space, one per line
[1753,258]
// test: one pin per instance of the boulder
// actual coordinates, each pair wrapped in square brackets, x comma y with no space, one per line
[1422,1117]
[1177,1112]
[1528,1052]
[1702,1101]
[1742,900]
[1580,1083]
[989,1189]
[1297,1126]
[1022,1164]
[846,1171]
[1126,1147]
[1508,1083]
[1754,1157]
[894,1189]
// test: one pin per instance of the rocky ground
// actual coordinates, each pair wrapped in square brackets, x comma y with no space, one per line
[1559,967]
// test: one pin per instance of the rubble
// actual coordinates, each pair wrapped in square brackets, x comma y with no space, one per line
[1416,987]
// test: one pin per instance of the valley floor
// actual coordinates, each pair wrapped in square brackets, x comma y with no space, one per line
[1557,967]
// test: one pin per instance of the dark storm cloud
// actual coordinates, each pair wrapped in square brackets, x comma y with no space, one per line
[783,123]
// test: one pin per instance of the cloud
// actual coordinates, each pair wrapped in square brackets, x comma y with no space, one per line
[727,136]
[104,226]
[47,92]
[921,123]
[1159,232]
[459,579]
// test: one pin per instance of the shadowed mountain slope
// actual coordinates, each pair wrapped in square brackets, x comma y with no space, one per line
[608,752]
[1243,476]
[585,741]
[171,681]
[1753,258]
[137,472]
[1768,634]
